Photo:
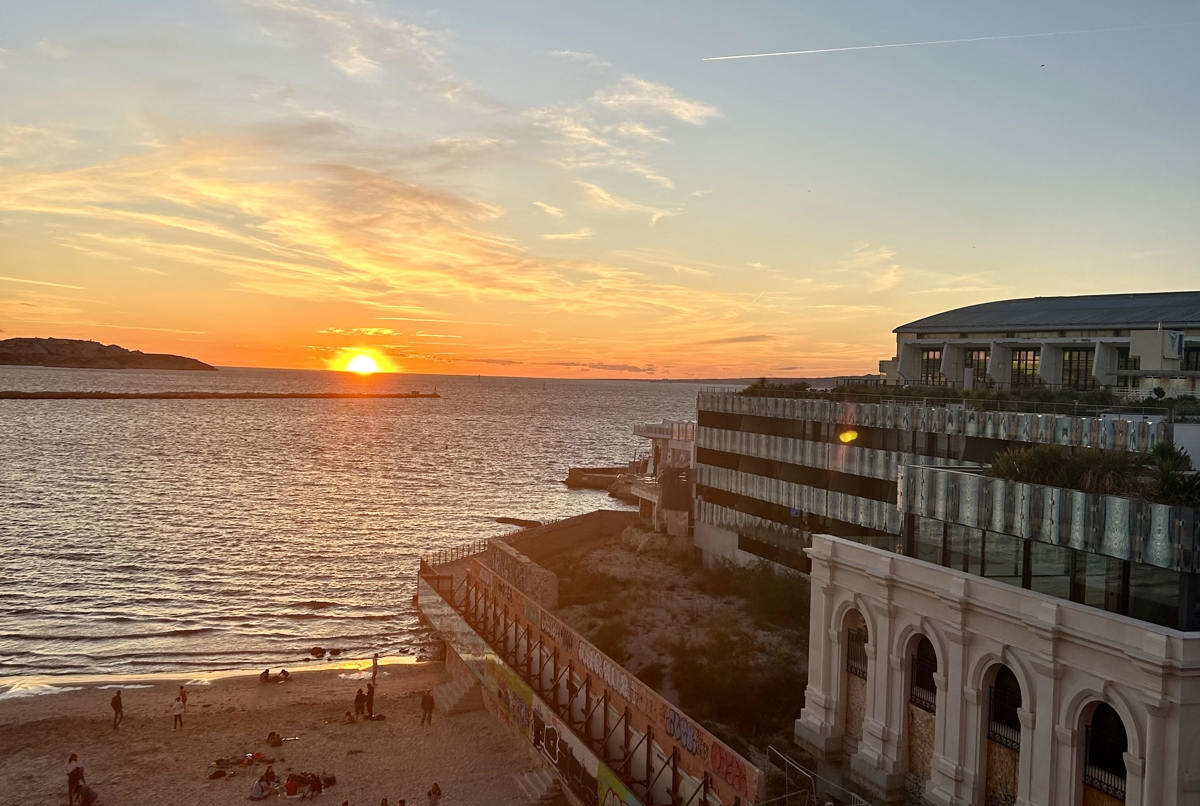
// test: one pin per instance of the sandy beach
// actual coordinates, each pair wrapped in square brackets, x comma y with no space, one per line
[145,761]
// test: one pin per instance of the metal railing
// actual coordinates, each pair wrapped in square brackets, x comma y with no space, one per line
[456,553]
[806,785]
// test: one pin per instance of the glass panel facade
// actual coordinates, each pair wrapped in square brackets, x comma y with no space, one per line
[931,368]
[1153,594]
[965,549]
[1050,569]
[1077,368]
[1025,367]
[929,540]
[1002,558]
[1191,359]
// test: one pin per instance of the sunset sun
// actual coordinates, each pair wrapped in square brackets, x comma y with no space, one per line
[362,364]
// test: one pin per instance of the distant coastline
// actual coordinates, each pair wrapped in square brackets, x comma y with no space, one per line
[80,354]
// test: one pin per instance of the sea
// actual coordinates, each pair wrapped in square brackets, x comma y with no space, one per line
[142,535]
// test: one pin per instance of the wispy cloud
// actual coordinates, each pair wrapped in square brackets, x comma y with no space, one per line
[590,59]
[549,209]
[606,367]
[40,282]
[578,235]
[352,35]
[52,50]
[358,331]
[749,339]
[602,199]
[876,266]
[640,131]
[636,94]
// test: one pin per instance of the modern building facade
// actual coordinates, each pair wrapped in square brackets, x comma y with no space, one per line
[664,490]
[1135,342]
[975,640]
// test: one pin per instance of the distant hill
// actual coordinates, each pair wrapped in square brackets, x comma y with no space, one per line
[81,354]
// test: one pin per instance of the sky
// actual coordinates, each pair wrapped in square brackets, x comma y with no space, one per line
[576,188]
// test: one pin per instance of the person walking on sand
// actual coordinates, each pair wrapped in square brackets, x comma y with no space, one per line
[118,710]
[183,696]
[74,778]
[370,701]
[360,704]
[374,668]
[177,712]
[427,708]
[435,794]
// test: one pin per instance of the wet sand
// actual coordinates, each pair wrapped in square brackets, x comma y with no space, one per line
[470,755]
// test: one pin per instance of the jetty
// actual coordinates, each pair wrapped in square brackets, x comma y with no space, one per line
[11,395]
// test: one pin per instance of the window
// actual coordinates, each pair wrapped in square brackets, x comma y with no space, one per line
[923,689]
[1191,359]
[931,368]
[1077,368]
[1126,362]
[856,652]
[1004,726]
[1025,365]
[977,361]
[1105,744]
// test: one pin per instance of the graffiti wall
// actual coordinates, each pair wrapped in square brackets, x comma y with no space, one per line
[698,757]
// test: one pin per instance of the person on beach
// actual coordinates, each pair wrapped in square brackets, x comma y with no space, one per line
[118,710]
[360,703]
[183,696]
[177,713]
[261,789]
[265,677]
[284,674]
[370,701]
[374,668]
[427,708]
[435,794]
[348,719]
[74,778]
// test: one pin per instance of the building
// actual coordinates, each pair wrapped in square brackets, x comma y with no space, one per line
[664,490]
[976,640]
[1119,341]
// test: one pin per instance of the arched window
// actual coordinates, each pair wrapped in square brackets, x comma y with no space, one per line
[856,651]
[923,691]
[1105,744]
[1004,701]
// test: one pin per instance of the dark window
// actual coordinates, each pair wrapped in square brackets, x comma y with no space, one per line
[1004,727]
[931,368]
[1077,369]
[1025,367]
[1191,359]
[1105,744]
[856,652]
[923,691]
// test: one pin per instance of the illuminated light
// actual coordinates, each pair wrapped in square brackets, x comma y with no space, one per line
[848,436]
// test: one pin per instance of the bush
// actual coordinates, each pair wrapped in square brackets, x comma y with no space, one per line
[610,637]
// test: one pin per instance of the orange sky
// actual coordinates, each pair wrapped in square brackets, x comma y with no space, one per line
[571,191]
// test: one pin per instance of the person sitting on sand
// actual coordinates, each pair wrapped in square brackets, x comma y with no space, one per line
[348,719]
[265,677]
[269,776]
[261,789]
[284,674]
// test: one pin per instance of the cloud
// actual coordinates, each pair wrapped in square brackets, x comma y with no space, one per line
[590,59]
[579,235]
[876,266]
[352,35]
[40,282]
[750,339]
[52,50]
[605,367]
[358,331]
[28,144]
[586,144]
[640,131]
[602,199]
[549,210]
[635,94]
[421,334]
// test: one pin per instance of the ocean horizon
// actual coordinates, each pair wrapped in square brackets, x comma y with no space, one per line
[180,536]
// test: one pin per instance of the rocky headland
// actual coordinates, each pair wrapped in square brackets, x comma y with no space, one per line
[80,354]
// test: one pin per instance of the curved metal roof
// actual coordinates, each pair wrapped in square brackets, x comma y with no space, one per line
[1175,309]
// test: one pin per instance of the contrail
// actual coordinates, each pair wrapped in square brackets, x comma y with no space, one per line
[941,42]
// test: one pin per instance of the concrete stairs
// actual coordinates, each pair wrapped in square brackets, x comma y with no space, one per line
[458,696]
[541,788]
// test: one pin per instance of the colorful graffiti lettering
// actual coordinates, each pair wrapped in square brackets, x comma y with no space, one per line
[727,765]
[682,730]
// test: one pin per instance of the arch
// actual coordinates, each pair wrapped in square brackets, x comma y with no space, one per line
[843,607]
[1105,745]
[908,636]
[1072,713]
[981,668]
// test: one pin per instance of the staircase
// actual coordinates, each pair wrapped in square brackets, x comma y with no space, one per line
[541,788]
[458,696]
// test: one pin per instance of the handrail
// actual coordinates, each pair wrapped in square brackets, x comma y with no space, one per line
[829,786]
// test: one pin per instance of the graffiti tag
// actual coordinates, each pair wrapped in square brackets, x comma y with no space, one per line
[682,730]
[727,765]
